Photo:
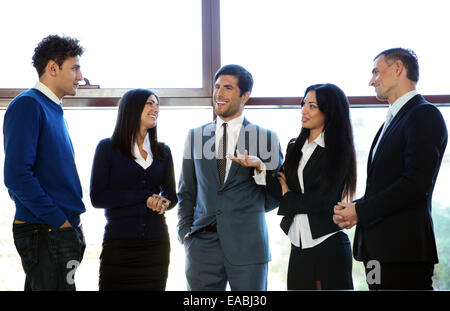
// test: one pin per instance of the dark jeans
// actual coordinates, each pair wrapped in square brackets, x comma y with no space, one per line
[49,256]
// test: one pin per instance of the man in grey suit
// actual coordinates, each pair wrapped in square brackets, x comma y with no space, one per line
[221,208]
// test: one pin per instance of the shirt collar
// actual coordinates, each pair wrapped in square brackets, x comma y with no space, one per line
[320,140]
[47,92]
[401,101]
[145,146]
[238,121]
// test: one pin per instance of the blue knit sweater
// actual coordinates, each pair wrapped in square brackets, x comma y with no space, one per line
[40,171]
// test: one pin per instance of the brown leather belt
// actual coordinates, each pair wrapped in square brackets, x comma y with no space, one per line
[19,222]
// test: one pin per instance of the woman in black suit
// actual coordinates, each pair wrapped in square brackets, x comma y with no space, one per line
[319,171]
[133,180]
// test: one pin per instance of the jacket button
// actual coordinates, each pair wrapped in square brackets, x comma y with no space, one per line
[219,212]
[220,192]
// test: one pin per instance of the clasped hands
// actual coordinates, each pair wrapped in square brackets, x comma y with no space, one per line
[158,203]
[345,215]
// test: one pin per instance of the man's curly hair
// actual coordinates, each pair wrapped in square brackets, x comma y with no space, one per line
[56,48]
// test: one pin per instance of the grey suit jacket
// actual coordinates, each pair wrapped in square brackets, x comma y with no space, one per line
[239,205]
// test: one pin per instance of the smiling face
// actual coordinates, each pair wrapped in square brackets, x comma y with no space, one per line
[66,77]
[228,102]
[149,114]
[312,118]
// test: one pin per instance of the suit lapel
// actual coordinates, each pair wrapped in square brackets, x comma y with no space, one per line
[310,169]
[369,161]
[243,140]
[292,179]
[394,123]
[296,181]
[209,145]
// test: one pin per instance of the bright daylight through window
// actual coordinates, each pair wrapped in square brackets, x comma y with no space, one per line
[287,45]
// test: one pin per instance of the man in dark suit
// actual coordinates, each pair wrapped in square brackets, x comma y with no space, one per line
[221,208]
[394,234]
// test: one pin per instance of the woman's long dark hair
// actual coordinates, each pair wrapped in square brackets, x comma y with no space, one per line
[128,124]
[338,134]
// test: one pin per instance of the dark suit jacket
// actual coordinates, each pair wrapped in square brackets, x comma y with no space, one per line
[239,205]
[395,222]
[317,201]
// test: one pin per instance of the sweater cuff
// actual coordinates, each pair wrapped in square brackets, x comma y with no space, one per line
[55,220]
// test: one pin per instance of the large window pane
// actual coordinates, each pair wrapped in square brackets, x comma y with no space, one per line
[134,43]
[365,122]
[88,126]
[290,44]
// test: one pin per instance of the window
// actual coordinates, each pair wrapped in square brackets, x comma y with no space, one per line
[153,43]
[87,127]
[288,45]
[366,122]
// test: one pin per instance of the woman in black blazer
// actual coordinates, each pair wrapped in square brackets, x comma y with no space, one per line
[319,171]
[133,180]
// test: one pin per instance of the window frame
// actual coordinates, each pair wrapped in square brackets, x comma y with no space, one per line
[89,96]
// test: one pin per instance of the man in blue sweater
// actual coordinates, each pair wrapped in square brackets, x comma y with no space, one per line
[40,171]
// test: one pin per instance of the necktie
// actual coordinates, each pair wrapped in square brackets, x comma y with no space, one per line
[221,155]
[389,118]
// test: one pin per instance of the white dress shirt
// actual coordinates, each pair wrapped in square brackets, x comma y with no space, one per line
[391,113]
[401,101]
[300,229]
[47,92]
[233,129]
[145,163]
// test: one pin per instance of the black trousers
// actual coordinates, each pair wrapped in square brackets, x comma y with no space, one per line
[137,264]
[399,275]
[330,262]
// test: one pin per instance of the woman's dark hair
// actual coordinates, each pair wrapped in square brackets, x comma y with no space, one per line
[56,48]
[128,124]
[338,135]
